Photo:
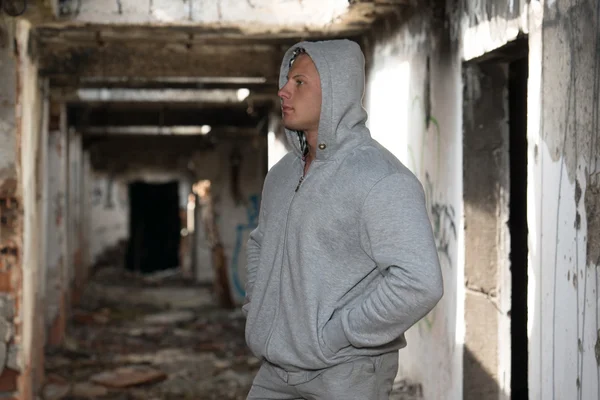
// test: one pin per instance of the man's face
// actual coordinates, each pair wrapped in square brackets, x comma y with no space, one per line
[301,96]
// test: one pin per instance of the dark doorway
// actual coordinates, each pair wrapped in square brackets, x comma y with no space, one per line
[154,227]
[495,196]
[517,101]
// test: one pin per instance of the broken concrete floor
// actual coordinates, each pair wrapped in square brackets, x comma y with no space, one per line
[141,338]
[151,338]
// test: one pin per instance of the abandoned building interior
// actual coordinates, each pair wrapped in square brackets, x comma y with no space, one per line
[135,136]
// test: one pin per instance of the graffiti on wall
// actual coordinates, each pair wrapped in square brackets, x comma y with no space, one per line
[425,161]
[442,220]
[241,236]
[427,168]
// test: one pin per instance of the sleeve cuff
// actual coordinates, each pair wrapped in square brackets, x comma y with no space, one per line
[333,335]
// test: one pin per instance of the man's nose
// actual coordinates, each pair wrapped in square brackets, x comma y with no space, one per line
[283,93]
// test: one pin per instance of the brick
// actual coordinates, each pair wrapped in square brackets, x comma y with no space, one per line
[5,281]
[12,360]
[8,380]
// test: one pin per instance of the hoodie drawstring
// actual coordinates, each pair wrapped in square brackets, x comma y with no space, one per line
[303,144]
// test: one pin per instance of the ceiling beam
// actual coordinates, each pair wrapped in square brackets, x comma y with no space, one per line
[71,83]
[82,115]
[154,60]
[168,131]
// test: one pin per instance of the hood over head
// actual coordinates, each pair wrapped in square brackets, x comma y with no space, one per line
[341,67]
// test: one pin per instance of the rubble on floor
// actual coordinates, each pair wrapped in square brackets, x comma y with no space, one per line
[151,338]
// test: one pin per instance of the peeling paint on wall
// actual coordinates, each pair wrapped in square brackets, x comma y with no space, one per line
[592,211]
[568,123]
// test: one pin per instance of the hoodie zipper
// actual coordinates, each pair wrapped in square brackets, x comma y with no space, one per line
[299,183]
[284,247]
[302,176]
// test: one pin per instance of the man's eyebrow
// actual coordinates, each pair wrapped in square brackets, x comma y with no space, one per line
[297,76]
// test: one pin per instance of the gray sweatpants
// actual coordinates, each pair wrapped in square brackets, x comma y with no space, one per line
[365,378]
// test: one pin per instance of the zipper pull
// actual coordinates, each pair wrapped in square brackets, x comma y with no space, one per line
[299,183]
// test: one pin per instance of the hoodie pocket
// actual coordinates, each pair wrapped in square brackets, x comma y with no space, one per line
[324,316]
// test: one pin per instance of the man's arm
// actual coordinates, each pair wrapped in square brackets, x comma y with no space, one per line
[397,234]
[253,255]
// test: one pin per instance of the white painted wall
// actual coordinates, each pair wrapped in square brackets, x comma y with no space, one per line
[432,148]
[563,167]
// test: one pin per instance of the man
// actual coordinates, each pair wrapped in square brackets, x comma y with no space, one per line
[343,260]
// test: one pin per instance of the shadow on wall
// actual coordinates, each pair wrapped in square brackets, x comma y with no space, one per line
[480,384]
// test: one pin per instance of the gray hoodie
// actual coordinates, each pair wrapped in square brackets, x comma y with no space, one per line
[343,266]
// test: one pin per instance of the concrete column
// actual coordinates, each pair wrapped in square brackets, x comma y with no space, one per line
[74,213]
[56,254]
[29,133]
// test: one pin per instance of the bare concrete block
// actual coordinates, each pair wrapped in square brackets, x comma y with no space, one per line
[480,379]
[6,330]
[3,356]
[13,362]
[7,307]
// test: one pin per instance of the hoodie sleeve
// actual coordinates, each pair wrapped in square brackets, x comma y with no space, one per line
[253,254]
[396,232]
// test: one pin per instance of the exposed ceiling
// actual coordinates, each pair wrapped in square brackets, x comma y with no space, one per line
[161,39]
[185,45]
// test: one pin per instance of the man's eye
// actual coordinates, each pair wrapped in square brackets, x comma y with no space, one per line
[298,82]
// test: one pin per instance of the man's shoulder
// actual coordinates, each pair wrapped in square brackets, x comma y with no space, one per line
[281,168]
[374,161]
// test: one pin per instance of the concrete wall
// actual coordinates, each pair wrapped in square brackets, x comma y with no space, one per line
[109,213]
[413,100]
[563,195]
[564,201]
[56,226]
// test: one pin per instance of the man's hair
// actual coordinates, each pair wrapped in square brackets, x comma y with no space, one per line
[297,52]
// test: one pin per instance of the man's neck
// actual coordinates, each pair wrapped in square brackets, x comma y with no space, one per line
[311,139]
[308,160]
